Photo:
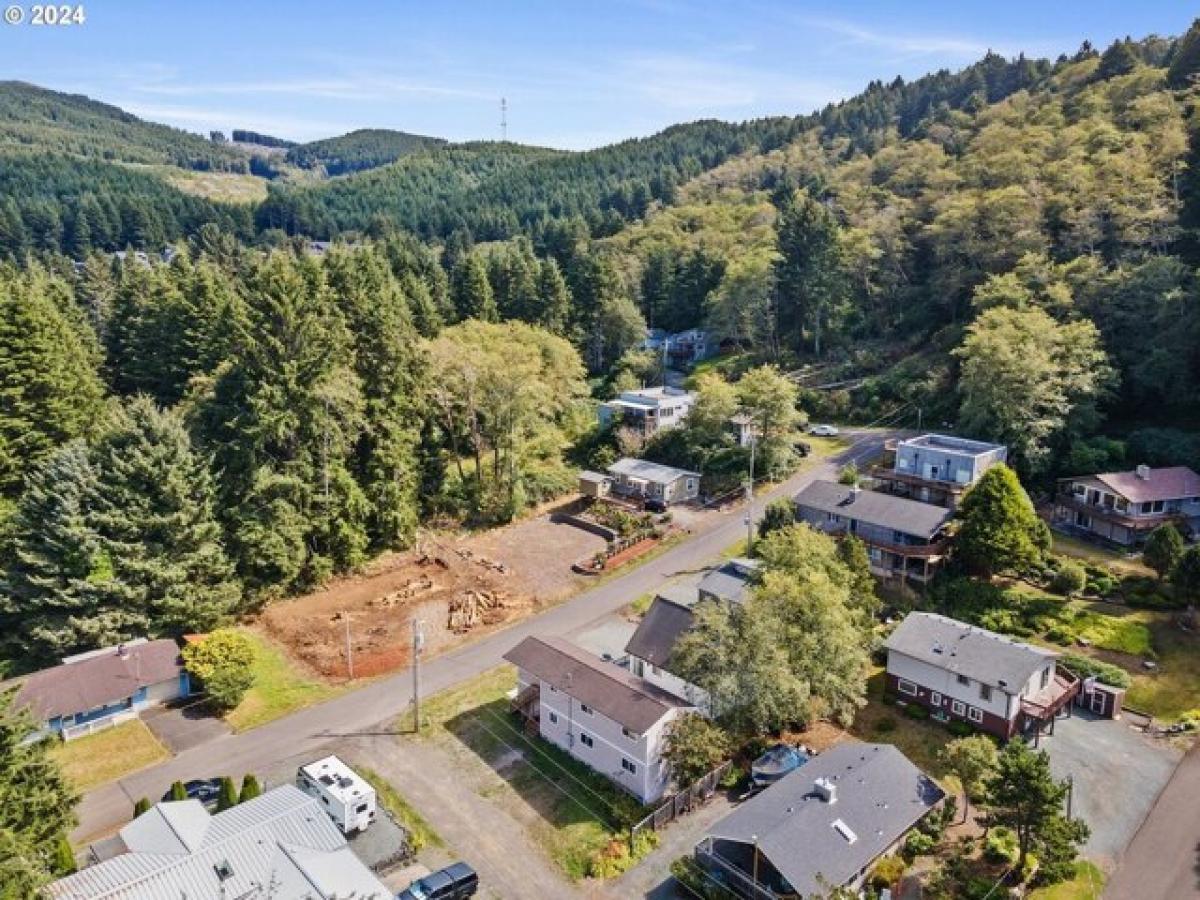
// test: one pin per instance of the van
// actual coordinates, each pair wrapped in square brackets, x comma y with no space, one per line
[454,882]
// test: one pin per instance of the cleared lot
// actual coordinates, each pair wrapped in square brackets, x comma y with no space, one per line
[1117,772]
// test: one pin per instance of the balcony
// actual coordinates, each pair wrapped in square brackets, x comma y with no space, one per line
[1075,503]
[1046,703]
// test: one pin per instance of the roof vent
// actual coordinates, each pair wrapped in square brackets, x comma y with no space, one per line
[844,830]
[224,870]
[826,790]
[1143,472]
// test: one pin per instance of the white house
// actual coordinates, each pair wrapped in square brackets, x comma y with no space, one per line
[1124,507]
[280,845]
[966,673]
[939,468]
[95,690]
[648,410]
[608,719]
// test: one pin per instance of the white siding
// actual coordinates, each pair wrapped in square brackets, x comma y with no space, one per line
[163,691]
[672,684]
[947,684]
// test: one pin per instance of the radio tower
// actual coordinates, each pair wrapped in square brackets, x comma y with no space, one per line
[503,119]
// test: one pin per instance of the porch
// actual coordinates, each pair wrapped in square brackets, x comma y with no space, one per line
[1041,710]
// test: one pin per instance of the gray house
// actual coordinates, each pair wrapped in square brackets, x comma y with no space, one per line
[824,825]
[938,468]
[905,538]
[1124,507]
[647,410]
[645,480]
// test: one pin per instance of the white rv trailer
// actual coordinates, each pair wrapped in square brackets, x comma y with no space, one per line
[348,799]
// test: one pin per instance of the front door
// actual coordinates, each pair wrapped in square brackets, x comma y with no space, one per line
[1097,702]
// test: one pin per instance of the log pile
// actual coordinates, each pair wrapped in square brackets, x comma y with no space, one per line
[475,607]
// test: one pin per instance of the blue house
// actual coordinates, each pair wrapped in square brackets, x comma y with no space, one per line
[95,690]
[939,468]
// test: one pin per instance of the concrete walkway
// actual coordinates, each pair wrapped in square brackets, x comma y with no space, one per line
[370,708]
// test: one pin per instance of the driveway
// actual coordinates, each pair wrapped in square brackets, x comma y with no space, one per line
[1163,862]
[1117,773]
[317,728]
[182,726]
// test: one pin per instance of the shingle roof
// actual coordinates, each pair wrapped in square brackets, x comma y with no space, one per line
[1169,483]
[100,679]
[730,580]
[660,628]
[611,691]
[968,650]
[648,471]
[880,796]
[282,838]
[886,510]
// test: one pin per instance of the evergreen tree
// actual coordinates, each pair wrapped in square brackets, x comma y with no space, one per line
[778,515]
[178,791]
[472,292]
[250,789]
[49,390]
[64,857]
[1163,549]
[1185,59]
[810,283]
[554,298]
[142,805]
[227,798]
[999,530]
[1186,575]
[1119,59]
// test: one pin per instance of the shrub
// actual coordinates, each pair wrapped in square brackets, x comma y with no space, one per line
[1001,845]
[696,883]
[1085,667]
[224,662]
[1069,580]
[227,798]
[250,789]
[178,791]
[64,857]
[141,806]
[885,724]
[917,844]
[916,711]
[960,729]
[887,872]
[848,475]
[615,858]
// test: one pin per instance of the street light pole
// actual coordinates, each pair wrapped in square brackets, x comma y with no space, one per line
[418,644]
[349,647]
[750,495]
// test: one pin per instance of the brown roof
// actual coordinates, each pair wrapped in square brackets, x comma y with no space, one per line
[611,691]
[99,680]
[1170,483]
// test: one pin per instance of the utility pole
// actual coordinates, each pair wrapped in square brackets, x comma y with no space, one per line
[750,494]
[349,648]
[918,418]
[503,119]
[418,644]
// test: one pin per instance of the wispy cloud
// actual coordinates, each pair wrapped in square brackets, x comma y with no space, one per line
[902,44]
[361,87]
[206,119]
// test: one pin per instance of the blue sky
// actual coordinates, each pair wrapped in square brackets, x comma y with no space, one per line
[575,74]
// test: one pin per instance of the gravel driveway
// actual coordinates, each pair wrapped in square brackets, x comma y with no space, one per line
[1118,773]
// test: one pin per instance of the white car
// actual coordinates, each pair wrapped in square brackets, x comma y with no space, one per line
[824,430]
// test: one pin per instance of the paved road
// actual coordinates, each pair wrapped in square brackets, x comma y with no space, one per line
[1163,860]
[363,711]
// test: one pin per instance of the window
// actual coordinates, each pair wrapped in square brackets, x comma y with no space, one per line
[1122,504]
[1146,507]
[633,736]
[584,708]
[935,699]
[974,714]
[963,679]
[906,687]
[553,717]
[628,766]
[985,692]
[361,808]
[1157,507]
[586,739]
[958,707]
[1045,676]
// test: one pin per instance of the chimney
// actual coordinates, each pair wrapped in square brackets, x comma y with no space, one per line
[826,790]
[1143,472]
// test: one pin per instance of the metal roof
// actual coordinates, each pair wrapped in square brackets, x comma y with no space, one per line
[99,678]
[608,689]
[730,580]
[649,471]
[880,795]
[922,520]
[968,650]
[952,444]
[280,845]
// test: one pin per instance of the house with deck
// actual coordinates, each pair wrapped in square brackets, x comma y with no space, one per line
[1122,508]
[601,714]
[279,845]
[938,468]
[905,539]
[671,614]
[96,690]
[964,673]
[640,479]
[647,411]
[825,825]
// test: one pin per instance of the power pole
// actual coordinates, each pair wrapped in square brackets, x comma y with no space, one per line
[418,644]
[349,648]
[750,494]
[503,119]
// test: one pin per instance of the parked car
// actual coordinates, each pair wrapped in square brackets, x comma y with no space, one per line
[824,430]
[655,505]
[206,790]
[451,883]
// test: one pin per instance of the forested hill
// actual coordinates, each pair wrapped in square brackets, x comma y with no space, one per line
[366,148]
[36,119]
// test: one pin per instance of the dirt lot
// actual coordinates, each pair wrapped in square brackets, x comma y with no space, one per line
[456,585]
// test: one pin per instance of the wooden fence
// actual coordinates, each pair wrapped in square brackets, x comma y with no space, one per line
[696,794]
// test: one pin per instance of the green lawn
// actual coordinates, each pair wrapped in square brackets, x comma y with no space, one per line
[110,754]
[1121,563]
[1121,633]
[420,832]
[1172,689]
[579,812]
[280,686]
[1088,884]
[921,741]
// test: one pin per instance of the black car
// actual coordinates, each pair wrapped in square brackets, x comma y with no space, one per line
[206,790]
[655,506]
[451,883]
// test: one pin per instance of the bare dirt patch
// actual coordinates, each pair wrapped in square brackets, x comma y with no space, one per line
[456,585]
